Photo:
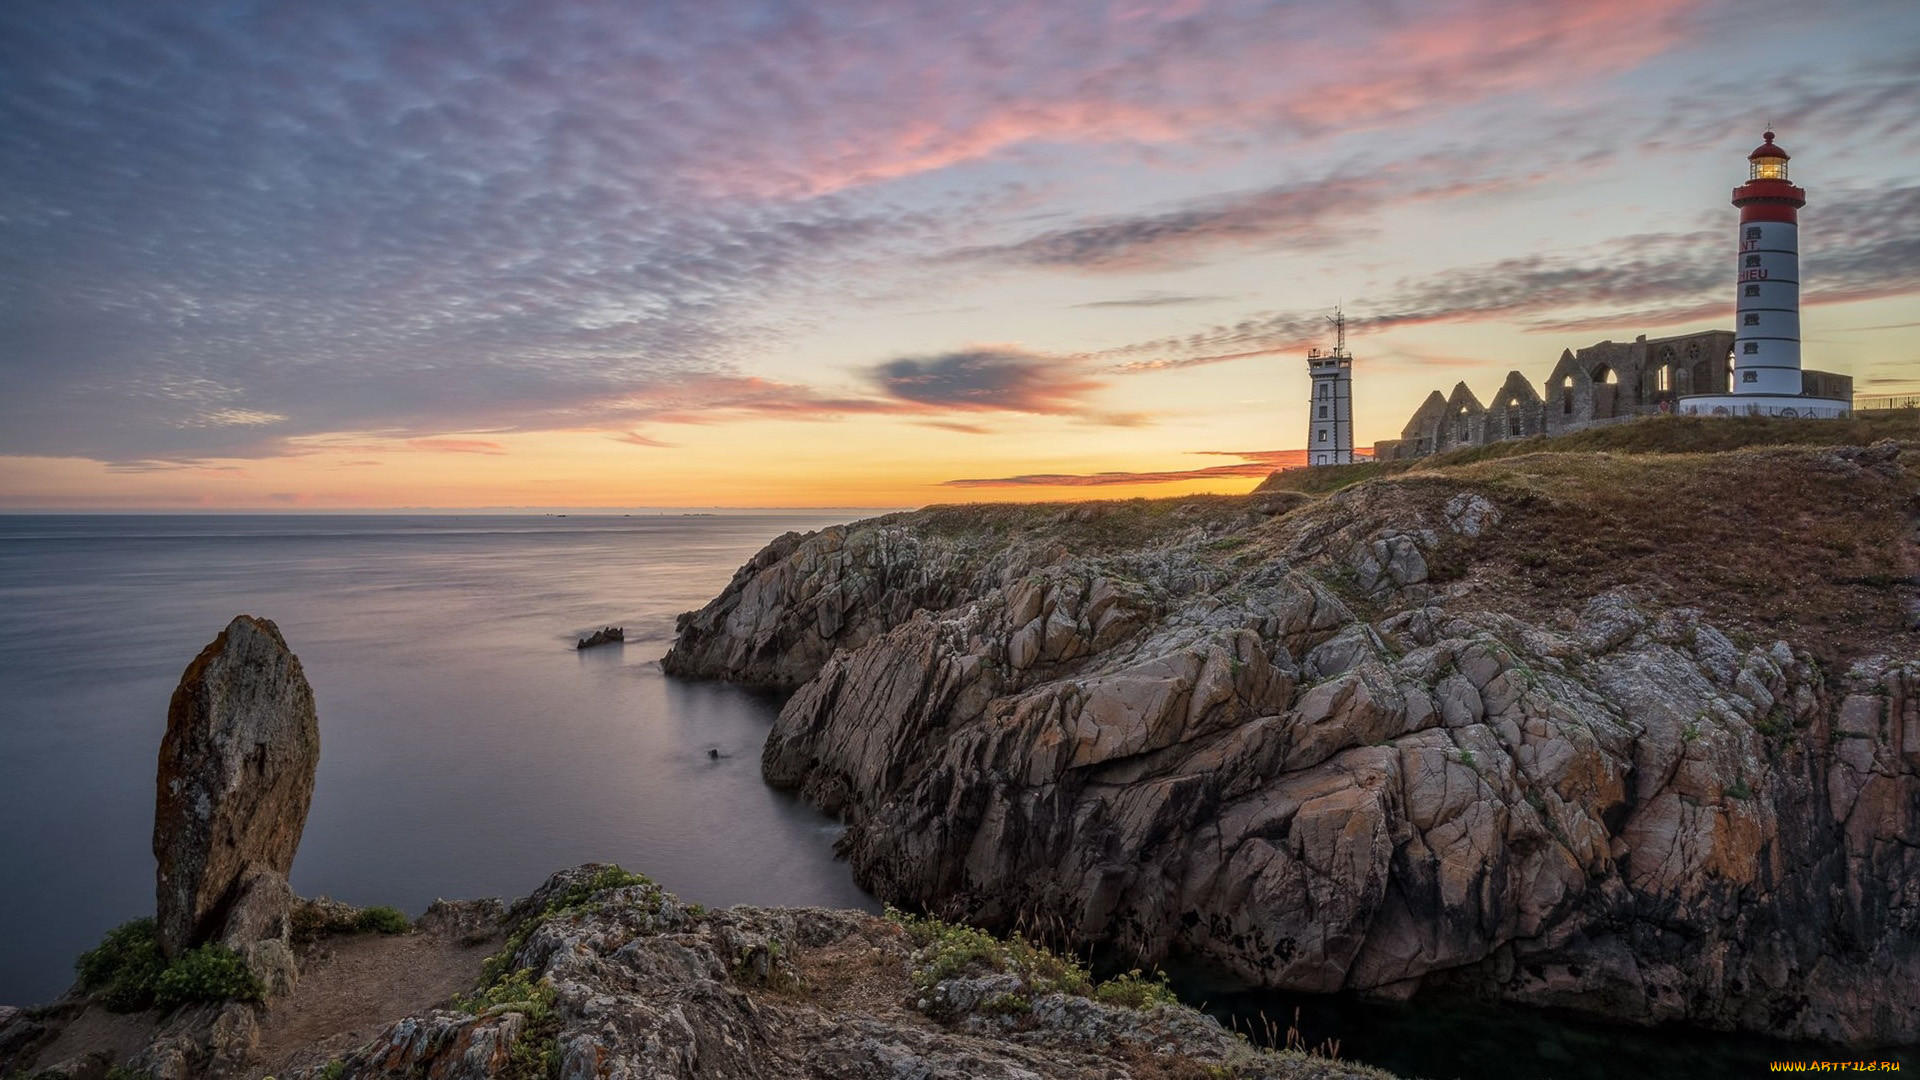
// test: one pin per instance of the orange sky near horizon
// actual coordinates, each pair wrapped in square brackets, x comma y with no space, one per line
[866,255]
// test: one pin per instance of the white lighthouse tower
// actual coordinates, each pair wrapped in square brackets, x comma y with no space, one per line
[1766,378]
[1330,407]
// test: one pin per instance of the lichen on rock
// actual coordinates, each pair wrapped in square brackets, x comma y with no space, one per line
[235,778]
[608,975]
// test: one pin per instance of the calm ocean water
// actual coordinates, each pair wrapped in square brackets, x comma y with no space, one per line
[466,748]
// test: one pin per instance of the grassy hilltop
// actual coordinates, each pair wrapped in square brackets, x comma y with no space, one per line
[1767,525]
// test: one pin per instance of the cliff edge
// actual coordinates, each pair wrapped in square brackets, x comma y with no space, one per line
[1630,734]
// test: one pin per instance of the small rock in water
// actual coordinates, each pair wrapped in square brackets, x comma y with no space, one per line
[608,636]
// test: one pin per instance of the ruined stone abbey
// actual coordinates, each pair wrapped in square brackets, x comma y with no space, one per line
[1600,384]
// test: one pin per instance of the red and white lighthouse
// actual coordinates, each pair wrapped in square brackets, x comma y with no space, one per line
[1766,379]
[1766,334]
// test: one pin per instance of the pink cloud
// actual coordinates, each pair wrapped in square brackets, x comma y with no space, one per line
[1138,76]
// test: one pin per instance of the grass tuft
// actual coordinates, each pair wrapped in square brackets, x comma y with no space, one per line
[944,950]
[208,973]
[382,919]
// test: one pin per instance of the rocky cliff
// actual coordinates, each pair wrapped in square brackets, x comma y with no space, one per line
[1631,736]
[602,974]
[606,975]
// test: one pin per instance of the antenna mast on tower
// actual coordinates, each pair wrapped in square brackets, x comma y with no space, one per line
[1339,321]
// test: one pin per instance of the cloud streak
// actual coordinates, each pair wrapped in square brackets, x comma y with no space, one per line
[1308,215]
[1642,281]
[1254,463]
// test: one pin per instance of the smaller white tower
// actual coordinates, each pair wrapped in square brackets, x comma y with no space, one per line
[1330,407]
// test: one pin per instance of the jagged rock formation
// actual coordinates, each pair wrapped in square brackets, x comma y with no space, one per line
[623,980]
[1362,744]
[612,635]
[235,779]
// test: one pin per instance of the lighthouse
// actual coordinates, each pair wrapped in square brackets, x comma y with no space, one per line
[1766,379]
[1330,403]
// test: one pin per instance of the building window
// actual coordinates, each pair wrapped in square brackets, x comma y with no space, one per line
[1323,412]
[1753,260]
[1663,380]
[1753,290]
[1749,376]
[1323,391]
[1750,348]
[1750,319]
[1323,436]
[1753,233]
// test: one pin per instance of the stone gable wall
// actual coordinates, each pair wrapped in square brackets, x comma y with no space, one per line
[1602,383]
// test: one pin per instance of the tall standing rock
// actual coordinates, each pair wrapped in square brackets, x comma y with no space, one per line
[235,779]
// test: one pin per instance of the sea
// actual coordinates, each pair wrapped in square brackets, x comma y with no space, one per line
[468,749]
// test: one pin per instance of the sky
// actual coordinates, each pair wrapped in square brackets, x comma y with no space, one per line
[580,253]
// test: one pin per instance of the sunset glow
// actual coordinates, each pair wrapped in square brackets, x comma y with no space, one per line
[587,254]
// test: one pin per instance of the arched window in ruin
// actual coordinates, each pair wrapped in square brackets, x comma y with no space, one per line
[1604,376]
[1663,378]
[1566,395]
[1513,416]
[1465,429]
[1702,378]
[1683,380]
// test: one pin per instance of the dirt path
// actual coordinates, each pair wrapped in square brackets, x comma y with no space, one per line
[109,1037]
[351,988]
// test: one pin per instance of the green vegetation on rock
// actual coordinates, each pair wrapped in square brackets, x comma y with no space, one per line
[514,992]
[125,968]
[1134,990]
[382,919]
[208,973]
[127,972]
[576,897]
[315,919]
[535,1054]
[944,950]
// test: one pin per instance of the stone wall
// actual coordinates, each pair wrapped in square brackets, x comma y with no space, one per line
[1602,383]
